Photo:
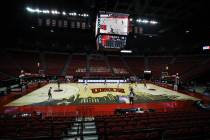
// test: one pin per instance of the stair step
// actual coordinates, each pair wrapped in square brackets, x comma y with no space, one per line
[72,133]
[74,138]
[76,124]
[79,119]
[87,131]
[94,137]
[76,127]
[85,127]
[89,123]
[90,127]
[89,118]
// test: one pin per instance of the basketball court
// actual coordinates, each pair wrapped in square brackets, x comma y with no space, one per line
[98,93]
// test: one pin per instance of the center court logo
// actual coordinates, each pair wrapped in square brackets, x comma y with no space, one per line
[98,90]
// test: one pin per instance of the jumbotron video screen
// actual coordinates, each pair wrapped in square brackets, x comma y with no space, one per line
[112,23]
[111,30]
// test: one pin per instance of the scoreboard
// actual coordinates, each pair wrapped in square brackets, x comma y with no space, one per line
[111,30]
[111,42]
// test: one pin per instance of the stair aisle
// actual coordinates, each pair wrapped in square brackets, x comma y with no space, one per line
[82,129]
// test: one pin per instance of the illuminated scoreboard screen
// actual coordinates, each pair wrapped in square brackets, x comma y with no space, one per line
[111,30]
[112,23]
[111,42]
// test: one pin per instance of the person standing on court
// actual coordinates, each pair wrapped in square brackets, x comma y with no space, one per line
[118,83]
[50,94]
[58,82]
[131,96]
[145,84]
[176,82]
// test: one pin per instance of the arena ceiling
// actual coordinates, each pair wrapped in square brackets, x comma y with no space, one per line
[176,17]
[166,11]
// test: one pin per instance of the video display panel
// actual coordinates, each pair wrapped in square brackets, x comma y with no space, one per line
[111,30]
[112,23]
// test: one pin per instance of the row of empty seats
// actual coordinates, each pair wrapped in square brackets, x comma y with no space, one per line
[185,64]
[136,64]
[55,63]
[98,67]
[80,65]
[118,66]
[165,125]
[158,65]
[28,127]
[13,63]
[139,126]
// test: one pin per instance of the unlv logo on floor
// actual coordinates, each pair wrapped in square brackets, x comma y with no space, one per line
[97,90]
